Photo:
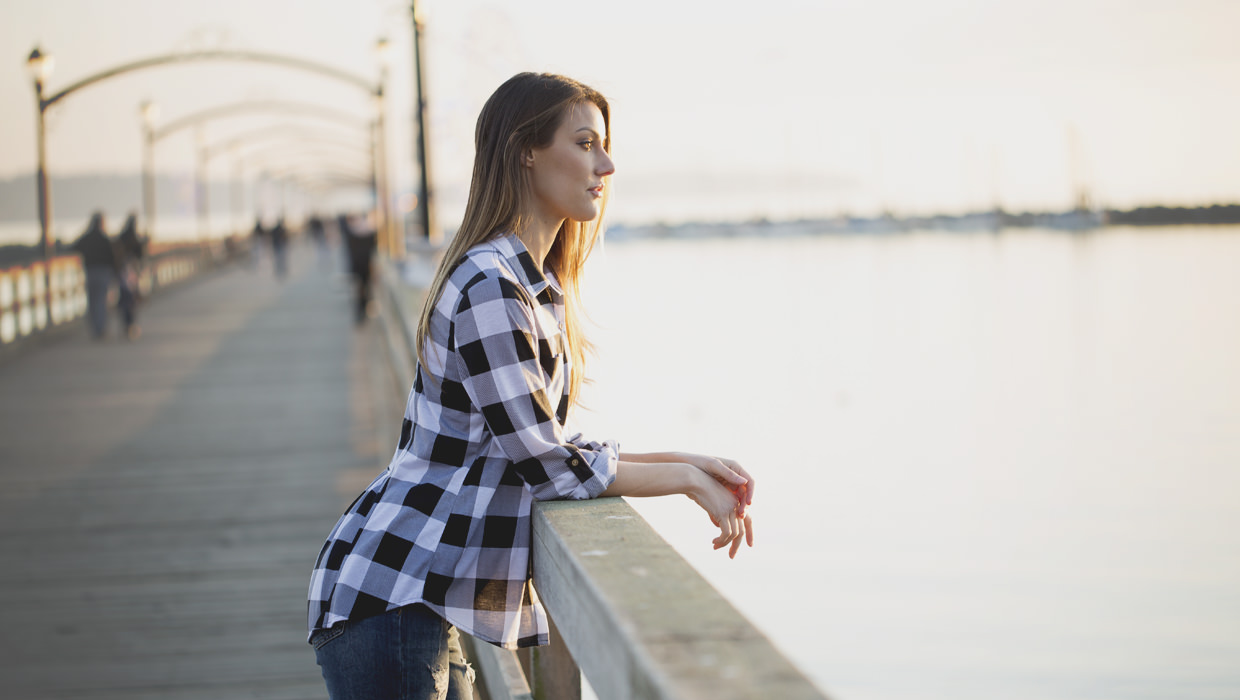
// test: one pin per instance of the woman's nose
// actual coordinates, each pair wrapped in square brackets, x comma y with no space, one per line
[605,165]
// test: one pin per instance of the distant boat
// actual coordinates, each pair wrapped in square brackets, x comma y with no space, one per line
[1085,214]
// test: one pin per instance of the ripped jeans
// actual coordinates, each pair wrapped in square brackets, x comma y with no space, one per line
[405,654]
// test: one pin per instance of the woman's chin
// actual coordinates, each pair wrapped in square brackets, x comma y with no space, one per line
[585,216]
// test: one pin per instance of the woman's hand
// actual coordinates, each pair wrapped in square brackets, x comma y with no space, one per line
[725,510]
[729,473]
[720,486]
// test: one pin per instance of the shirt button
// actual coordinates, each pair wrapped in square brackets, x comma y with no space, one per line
[576,461]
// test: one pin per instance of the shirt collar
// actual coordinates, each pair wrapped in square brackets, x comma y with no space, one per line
[523,265]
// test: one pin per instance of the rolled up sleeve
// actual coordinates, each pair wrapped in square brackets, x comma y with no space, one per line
[495,336]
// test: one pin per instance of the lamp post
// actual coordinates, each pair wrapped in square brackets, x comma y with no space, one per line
[235,203]
[150,114]
[430,227]
[40,66]
[200,184]
[391,244]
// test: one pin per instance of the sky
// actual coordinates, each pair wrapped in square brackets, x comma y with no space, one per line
[721,110]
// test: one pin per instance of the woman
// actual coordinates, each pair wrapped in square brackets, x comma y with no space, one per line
[440,541]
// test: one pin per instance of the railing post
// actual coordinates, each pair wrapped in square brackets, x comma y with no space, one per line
[553,673]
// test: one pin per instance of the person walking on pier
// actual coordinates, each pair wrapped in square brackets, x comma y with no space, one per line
[258,239]
[318,236]
[99,261]
[439,543]
[279,248]
[130,250]
[361,241]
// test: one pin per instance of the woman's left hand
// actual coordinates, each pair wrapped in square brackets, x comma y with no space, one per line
[728,472]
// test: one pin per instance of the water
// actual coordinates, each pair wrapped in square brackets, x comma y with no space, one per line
[988,465]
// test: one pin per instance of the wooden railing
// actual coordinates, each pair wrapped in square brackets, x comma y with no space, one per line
[627,611]
[24,299]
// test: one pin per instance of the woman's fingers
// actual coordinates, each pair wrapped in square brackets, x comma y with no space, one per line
[734,476]
[741,500]
[719,469]
[726,508]
[735,466]
[744,531]
[727,531]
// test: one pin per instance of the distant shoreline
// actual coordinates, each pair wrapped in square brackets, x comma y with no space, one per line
[21,254]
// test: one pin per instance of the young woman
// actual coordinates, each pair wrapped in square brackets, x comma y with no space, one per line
[440,541]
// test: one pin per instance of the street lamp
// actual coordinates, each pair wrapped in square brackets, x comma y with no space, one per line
[384,229]
[383,52]
[430,227]
[234,197]
[150,115]
[200,183]
[40,66]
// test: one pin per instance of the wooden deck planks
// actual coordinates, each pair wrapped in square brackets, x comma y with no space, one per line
[162,501]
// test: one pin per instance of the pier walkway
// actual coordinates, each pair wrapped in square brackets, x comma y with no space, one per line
[162,500]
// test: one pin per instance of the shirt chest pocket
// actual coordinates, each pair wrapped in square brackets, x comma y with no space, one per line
[551,355]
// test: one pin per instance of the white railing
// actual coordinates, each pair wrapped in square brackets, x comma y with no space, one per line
[24,298]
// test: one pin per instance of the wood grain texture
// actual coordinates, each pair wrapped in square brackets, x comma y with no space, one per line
[162,501]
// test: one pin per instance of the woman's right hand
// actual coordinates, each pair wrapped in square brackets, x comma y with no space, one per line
[725,510]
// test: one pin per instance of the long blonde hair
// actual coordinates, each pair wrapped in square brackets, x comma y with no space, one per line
[523,114]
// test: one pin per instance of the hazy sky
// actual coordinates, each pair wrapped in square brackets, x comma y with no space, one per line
[721,109]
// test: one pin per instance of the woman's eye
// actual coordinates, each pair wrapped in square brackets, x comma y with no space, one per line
[587,144]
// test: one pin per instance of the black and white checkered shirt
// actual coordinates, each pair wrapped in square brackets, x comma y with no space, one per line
[447,524]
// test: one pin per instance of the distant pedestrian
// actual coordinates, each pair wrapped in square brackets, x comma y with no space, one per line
[279,248]
[258,239]
[130,250]
[361,240]
[99,260]
[318,236]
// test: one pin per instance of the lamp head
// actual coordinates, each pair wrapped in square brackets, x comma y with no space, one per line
[40,65]
[382,52]
[150,113]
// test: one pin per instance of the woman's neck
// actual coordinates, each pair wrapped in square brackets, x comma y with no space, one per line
[538,235]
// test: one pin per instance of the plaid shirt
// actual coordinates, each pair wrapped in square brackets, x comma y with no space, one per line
[447,524]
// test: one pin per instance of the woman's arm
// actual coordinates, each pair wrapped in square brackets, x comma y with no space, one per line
[654,478]
[497,356]
[728,471]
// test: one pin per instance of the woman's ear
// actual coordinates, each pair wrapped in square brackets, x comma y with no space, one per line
[527,159]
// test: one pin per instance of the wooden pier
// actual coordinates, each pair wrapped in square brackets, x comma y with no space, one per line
[162,500]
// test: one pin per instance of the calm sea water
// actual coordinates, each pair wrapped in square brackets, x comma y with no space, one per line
[988,466]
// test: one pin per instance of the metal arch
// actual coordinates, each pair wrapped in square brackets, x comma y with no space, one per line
[243,56]
[301,108]
[287,151]
[272,162]
[322,177]
[262,134]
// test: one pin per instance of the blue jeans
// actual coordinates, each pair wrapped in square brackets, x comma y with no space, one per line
[404,654]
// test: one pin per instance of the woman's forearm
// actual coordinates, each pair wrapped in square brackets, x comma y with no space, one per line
[652,457]
[655,478]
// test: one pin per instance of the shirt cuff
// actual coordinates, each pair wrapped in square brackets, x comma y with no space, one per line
[595,469]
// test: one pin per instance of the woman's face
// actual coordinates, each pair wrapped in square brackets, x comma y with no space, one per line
[568,176]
